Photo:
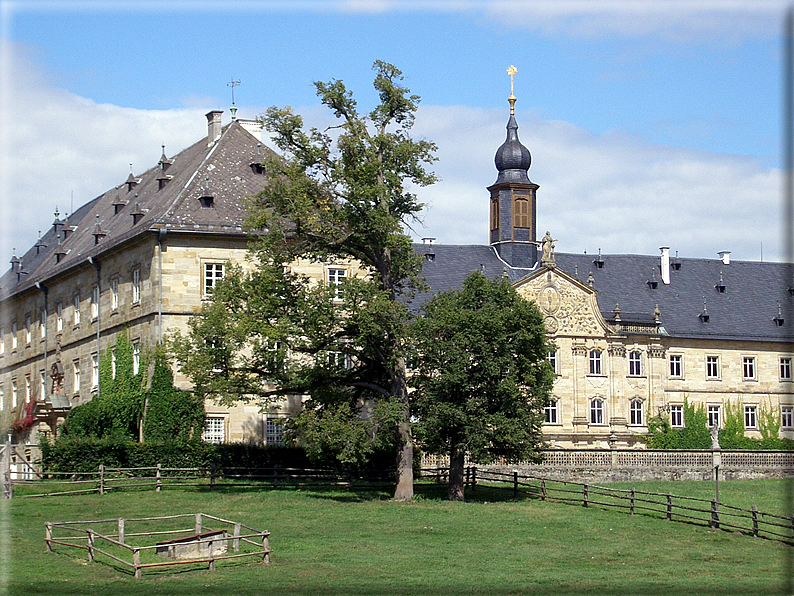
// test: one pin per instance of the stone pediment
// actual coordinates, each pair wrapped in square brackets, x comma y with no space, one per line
[569,307]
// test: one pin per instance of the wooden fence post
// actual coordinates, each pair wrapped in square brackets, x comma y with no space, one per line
[715,515]
[473,478]
[669,507]
[101,479]
[159,483]
[5,469]
[121,530]
[515,484]
[48,536]
[467,482]
[543,490]
[236,541]
[632,501]
[265,550]
[584,496]
[755,521]
[90,545]
[198,523]
[136,562]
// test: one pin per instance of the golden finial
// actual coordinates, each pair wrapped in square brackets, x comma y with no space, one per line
[512,71]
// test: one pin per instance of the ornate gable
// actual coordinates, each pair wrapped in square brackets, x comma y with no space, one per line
[569,307]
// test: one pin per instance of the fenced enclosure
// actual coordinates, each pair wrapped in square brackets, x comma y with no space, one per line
[668,506]
[110,539]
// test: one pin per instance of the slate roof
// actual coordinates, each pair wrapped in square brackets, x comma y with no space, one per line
[745,311]
[226,164]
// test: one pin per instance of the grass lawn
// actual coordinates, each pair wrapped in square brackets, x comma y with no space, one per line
[336,542]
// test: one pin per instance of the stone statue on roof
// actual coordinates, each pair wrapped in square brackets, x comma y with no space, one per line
[547,250]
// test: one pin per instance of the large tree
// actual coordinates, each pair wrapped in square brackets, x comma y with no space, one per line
[482,378]
[338,195]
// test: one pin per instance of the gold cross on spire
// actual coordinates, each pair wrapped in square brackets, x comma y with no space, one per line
[512,71]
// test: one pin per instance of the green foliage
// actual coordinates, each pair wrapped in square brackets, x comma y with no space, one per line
[732,432]
[694,435]
[483,378]
[341,198]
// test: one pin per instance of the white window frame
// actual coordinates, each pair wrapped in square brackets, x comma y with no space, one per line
[676,416]
[114,293]
[597,407]
[113,363]
[14,338]
[94,303]
[749,370]
[552,359]
[94,371]
[714,413]
[213,273]
[676,366]
[596,363]
[785,368]
[76,319]
[751,417]
[713,369]
[335,277]
[43,383]
[2,341]
[59,317]
[28,389]
[214,430]
[14,393]
[786,417]
[136,285]
[2,399]
[136,357]
[635,363]
[43,323]
[552,411]
[76,376]
[636,412]
[28,329]
[274,431]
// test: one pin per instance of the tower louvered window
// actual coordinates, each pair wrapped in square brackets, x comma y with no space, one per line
[495,213]
[521,213]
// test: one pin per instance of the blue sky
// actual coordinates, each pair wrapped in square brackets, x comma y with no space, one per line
[650,123]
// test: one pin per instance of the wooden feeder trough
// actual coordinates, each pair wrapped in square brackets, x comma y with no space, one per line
[195,546]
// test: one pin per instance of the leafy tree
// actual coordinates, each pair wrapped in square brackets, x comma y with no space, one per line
[483,379]
[334,195]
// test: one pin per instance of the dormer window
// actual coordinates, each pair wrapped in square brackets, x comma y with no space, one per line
[779,318]
[598,261]
[720,285]
[258,168]
[162,180]
[207,202]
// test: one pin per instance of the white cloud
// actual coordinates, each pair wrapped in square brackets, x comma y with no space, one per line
[608,191]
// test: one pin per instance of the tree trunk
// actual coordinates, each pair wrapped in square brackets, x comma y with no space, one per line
[405,449]
[457,457]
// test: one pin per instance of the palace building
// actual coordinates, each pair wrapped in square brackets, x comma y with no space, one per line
[635,335]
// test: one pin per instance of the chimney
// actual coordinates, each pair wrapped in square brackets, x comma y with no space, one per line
[213,126]
[725,255]
[665,264]
[428,241]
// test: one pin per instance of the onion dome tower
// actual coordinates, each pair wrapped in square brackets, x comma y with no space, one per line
[513,208]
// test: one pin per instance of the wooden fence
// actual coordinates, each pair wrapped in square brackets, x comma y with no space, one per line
[114,544]
[672,507]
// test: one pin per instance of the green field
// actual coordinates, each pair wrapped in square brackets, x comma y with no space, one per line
[333,542]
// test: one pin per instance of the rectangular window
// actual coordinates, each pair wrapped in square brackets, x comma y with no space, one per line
[213,273]
[2,399]
[597,412]
[94,302]
[336,278]
[677,416]
[552,411]
[114,293]
[552,358]
[339,360]
[136,357]
[28,330]
[113,363]
[750,417]
[494,213]
[28,389]
[76,309]
[635,412]
[136,286]
[748,368]
[214,430]
[59,317]
[676,366]
[43,324]
[712,367]
[14,394]
[76,376]
[521,213]
[2,341]
[595,362]
[14,338]
[787,417]
[713,413]
[274,431]
[94,371]
[635,364]
[785,369]
[42,385]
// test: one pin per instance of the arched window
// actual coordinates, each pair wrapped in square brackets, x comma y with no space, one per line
[635,412]
[595,362]
[635,363]
[597,411]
